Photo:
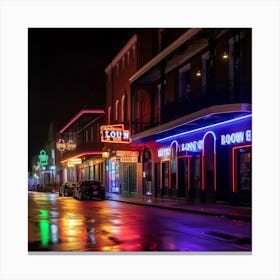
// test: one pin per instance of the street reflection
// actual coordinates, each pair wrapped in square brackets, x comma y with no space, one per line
[44,230]
[65,224]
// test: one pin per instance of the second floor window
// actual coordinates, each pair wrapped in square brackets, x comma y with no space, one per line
[185,81]
[118,69]
[205,72]
[133,52]
[91,134]
[123,109]
[109,114]
[123,63]
[128,56]
[158,104]
[117,110]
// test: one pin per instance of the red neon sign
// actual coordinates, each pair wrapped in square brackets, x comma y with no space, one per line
[115,134]
[78,115]
[81,155]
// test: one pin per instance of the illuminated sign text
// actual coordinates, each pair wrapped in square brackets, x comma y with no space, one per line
[193,146]
[236,137]
[74,161]
[127,153]
[114,134]
[129,159]
[164,152]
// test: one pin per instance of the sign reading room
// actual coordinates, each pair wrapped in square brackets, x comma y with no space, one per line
[114,134]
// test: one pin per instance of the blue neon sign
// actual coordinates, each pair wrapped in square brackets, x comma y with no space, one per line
[236,137]
[192,146]
[227,133]
[204,128]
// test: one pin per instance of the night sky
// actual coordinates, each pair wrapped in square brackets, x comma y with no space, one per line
[66,74]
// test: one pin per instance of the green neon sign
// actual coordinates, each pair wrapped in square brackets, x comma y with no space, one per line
[43,158]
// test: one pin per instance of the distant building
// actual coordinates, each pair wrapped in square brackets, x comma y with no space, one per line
[79,150]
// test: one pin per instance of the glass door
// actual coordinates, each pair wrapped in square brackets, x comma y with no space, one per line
[244,175]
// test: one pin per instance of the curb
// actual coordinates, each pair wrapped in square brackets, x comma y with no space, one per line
[200,212]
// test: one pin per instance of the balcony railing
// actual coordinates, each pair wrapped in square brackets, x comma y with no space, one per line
[224,94]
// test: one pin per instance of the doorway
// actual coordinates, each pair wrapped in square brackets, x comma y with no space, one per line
[165,178]
[129,183]
[195,178]
[183,174]
[157,179]
[243,176]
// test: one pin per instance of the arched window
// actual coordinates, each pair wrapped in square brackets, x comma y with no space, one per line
[128,57]
[117,110]
[133,52]
[109,114]
[123,62]
[118,69]
[123,108]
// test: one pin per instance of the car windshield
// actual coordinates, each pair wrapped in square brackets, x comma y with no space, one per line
[90,183]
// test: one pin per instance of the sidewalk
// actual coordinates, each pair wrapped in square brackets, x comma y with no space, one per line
[233,212]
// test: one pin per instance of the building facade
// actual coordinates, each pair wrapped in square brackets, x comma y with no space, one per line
[122,164]
[79,150]
[177,121]
[124,167]
[191,117]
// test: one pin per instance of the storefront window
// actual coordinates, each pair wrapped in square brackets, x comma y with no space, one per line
[114,175]
[165,178]
[245,171]
[91,172]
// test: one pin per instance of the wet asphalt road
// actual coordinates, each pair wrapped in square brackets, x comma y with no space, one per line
[64,224]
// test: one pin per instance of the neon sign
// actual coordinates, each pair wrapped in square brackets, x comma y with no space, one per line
[70,145]
[79,115]
[74,161]
[236,137]
[197,145]
[193,146]
[82,155]
[43,158]
[120,153]
[204,128]
[164,152]
[60,145]
[129,159]
[114,134]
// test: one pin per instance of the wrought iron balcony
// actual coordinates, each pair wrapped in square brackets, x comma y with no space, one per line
[223,94]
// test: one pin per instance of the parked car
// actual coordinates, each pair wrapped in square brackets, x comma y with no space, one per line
[89,190]
[67,189]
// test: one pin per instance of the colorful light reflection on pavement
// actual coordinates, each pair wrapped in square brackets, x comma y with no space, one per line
[67,225]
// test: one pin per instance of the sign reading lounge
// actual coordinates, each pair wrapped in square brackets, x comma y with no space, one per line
[115,134]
